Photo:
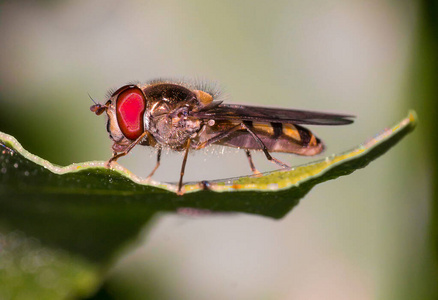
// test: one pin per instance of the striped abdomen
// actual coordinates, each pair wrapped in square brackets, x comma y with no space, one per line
[277,137]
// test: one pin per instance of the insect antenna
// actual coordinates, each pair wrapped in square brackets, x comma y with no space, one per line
[97,108]
[92,99]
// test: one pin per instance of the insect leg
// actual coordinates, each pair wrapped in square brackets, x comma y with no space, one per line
[251,163]
[183,167]
[264,148]
[217,137]
[157,165]
[126,151]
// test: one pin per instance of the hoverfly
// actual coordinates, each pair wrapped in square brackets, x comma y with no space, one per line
[185,117]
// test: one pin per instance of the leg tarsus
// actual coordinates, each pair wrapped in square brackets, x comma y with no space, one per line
[279,162]
[116,155]
[114,158]
[157,165]
[251,164]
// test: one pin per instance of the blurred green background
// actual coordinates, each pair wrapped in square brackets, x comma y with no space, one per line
[371,235]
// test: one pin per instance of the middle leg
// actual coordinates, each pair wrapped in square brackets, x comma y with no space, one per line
[183,168]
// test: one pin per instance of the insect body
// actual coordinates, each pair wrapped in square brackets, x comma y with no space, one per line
[183,117]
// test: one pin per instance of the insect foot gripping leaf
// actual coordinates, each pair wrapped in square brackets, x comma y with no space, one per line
[82,214]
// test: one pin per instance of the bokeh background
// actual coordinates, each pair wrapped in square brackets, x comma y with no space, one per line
[370,235]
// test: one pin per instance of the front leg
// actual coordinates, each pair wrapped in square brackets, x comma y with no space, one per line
[116,155]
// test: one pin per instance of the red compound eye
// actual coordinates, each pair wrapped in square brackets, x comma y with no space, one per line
[130,108]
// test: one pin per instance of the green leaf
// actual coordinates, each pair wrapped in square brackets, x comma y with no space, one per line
[82,214]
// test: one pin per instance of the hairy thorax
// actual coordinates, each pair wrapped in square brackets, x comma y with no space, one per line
[173,131]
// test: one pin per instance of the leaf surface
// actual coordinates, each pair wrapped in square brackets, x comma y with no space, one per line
[81,215]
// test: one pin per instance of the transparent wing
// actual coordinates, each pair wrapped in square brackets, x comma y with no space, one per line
[232,112]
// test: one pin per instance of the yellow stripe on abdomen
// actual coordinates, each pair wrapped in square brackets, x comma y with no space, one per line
[291,131]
